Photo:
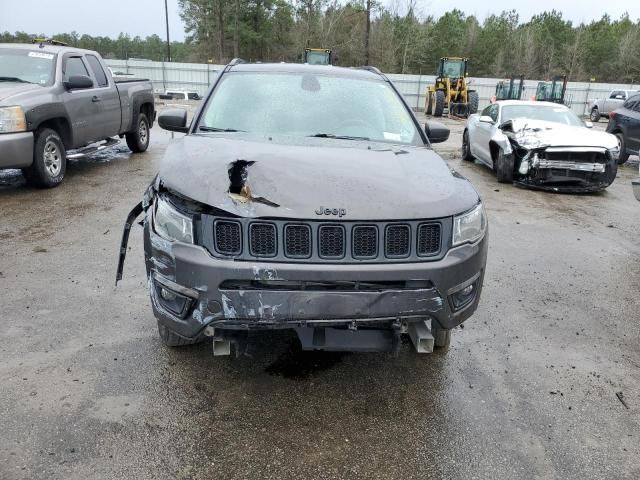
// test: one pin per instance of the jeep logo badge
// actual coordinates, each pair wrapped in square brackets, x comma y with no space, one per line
[340,212]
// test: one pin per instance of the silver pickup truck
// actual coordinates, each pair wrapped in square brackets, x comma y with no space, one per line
[59,103]
[603,106]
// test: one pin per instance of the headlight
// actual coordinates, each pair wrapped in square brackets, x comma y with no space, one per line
[470,226]
[12,120]
[171,224]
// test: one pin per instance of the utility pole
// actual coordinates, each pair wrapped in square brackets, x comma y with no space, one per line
[166,17]
[366,40]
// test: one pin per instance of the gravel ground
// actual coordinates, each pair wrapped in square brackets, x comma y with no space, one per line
[531,387]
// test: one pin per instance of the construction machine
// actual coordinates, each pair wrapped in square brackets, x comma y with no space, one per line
[451,92]
[318,56]
[510,89]
[553,90]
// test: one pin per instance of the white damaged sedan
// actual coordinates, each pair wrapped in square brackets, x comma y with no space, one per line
[543,145]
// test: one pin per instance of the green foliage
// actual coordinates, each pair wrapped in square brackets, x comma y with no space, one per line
[400,42]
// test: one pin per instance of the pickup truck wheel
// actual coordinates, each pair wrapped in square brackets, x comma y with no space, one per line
[594,116]
[624,155]
[504,167]
[441,338]
[466,147]
[171,339]
[49,160]
[138,140]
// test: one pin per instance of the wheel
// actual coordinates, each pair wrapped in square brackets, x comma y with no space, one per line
[441,338]
[428,108]
[504,167]
[466,147]
[438,108]
[594,116]
[138,140]
[474,101]
[171,339]
[49,160]
[624,155]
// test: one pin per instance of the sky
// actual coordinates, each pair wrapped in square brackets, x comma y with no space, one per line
[146,17]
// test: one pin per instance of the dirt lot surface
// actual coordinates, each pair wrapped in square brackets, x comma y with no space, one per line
[543,382]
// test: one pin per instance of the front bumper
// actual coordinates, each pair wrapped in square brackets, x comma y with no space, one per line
[197,277]
[16,149]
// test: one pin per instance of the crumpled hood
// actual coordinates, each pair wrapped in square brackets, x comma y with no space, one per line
[9,89]
[293,181]
[559,135]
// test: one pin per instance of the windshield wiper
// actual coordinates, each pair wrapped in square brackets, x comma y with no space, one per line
[215,129]
[13,79]
[338,137]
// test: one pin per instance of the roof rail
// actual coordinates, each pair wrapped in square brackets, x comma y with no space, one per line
[371,69]
[49,41]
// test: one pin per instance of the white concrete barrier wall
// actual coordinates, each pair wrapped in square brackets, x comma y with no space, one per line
[197,77]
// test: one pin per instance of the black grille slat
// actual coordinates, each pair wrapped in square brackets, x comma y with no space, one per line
[365,242]
[297,241]
[228,237]
[331,241]
[262,239]
[429,237]
[397,241]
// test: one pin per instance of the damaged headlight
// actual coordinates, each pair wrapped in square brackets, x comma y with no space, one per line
[470,226]
[614,153]
[171,224]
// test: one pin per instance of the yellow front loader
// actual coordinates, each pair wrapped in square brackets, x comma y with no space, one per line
[451,93]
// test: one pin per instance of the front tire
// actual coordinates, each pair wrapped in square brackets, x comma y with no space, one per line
[466,147]
[49,160]
[171,339]
[624,155]
[594,116]
[504,167]
[138,140]
[438,108]
[474,101]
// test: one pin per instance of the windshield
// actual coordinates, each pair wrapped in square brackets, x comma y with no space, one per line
[556,114]
[309,104]
[317,58]
[26,66]
[453,69]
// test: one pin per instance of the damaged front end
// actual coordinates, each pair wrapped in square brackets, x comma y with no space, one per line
[215,273]
[550,159]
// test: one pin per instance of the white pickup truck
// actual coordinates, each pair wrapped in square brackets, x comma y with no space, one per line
[603,106]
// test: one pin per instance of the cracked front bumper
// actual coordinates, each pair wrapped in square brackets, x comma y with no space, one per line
[193,276]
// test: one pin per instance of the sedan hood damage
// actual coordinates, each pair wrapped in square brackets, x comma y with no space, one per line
[538,133]
[251,177]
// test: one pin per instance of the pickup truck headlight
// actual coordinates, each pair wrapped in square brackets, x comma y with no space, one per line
[171,224]
[12,120]
[470,226]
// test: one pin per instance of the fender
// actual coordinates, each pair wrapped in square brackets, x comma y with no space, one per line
[48,111]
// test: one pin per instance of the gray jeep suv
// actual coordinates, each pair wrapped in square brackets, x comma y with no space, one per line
[308,197]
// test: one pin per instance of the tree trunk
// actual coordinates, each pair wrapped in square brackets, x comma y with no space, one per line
[236,32]
[368,32]
[221,31]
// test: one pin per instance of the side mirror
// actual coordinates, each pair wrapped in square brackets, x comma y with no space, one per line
[78,82]
[588,124]
[486,119]
[436,132]
[174,120]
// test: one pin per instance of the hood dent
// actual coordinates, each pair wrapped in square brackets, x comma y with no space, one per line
[249,178]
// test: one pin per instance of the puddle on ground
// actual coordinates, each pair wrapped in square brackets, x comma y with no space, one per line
[11,178]
[297,364]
